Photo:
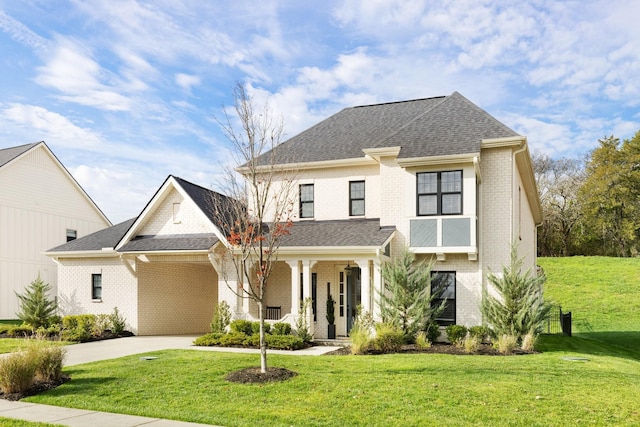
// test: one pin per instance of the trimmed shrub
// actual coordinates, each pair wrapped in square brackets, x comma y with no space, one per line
[506,343]
[221,317]
[422,341]
[389,338]
[241,326]
[208,340]
[480,332]
[433,332]
[456,333]
[255,328]
[20,331]
[17,372]
[281,328]
[118,322]
[78,327]
[284,342]
[234,338]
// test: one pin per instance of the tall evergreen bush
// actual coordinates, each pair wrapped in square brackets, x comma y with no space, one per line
[36,309]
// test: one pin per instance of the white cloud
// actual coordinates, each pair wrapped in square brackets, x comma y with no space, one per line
[48,125]
[77,76]
[22,34]
[187,81]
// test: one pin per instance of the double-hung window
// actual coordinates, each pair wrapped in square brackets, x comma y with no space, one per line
[96,286]
[71,234]
[356,198]
[443,287]
[439,193]
[306,201]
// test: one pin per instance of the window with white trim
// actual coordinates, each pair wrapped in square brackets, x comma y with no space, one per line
[71,234]
[439,193]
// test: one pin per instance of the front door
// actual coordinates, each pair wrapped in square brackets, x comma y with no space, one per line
[353,296]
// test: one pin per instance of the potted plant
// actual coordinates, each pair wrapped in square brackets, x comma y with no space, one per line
[331,317]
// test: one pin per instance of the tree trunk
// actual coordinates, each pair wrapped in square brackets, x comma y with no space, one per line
[263,341]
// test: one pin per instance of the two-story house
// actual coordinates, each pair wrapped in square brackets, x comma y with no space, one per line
[41,206]
[438,175]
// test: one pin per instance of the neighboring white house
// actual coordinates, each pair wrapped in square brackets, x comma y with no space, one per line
[437,175]
[41,206]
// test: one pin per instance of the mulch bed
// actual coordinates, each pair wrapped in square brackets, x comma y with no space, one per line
[439,348]
[253,375]
[36,387]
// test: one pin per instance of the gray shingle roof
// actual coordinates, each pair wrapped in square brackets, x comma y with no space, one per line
[106,238]
[422,127]
[174,242]
[351,232]
[8,154]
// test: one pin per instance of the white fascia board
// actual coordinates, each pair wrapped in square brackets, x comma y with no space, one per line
[377,153]
[165,253]
[509,141]
[438,160]
[326,250]
[357,161]
[104,253]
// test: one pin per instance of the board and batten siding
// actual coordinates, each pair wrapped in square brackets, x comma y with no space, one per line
[38,203]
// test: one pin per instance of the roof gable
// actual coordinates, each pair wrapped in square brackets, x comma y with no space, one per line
[179,207]
[12,153]
[20,157]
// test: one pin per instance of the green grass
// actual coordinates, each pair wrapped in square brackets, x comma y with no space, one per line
[9,422]
[385,390]
[405,389]
[603,295]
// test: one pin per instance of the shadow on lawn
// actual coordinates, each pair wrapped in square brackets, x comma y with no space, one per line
[625,344]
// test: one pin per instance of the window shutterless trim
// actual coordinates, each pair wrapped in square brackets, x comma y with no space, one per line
[450,306]
[96,286]
[352,198]
[305,201]
[438,193]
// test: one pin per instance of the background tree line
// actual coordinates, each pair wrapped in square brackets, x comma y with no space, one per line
[591,206]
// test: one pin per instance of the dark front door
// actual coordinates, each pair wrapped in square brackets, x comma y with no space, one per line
[353,296]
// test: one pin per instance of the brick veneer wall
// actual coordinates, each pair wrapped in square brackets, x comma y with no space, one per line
[176,298]
[119,288]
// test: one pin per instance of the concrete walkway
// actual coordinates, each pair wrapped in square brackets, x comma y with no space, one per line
[110,349]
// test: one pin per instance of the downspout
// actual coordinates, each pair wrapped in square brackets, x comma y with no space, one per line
[522,148]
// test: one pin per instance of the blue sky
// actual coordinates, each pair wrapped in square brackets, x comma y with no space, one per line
[124,92]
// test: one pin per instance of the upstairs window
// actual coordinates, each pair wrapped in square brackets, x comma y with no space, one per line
[306,201]
[71,235]
[444,282]
[356,198]
[96,286]
[439,193]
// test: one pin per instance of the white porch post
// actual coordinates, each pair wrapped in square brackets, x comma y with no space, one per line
[307,265]
[295,286]
[365,284]
[378,288]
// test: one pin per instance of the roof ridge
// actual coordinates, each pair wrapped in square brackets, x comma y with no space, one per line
[399,102]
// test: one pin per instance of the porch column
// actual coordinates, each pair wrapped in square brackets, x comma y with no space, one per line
[295,286]
[307,265]
[378,288]
[365,284]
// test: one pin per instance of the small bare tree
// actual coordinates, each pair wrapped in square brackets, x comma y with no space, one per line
[258,214]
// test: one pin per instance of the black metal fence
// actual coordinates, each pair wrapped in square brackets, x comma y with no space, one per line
[558,322]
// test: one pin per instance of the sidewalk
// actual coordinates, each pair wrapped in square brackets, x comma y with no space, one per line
[110,349]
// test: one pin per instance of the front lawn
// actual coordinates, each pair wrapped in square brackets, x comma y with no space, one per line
[9,345]
[9,422]
[402,389]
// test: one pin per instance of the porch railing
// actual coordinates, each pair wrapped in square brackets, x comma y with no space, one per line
[273,313]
